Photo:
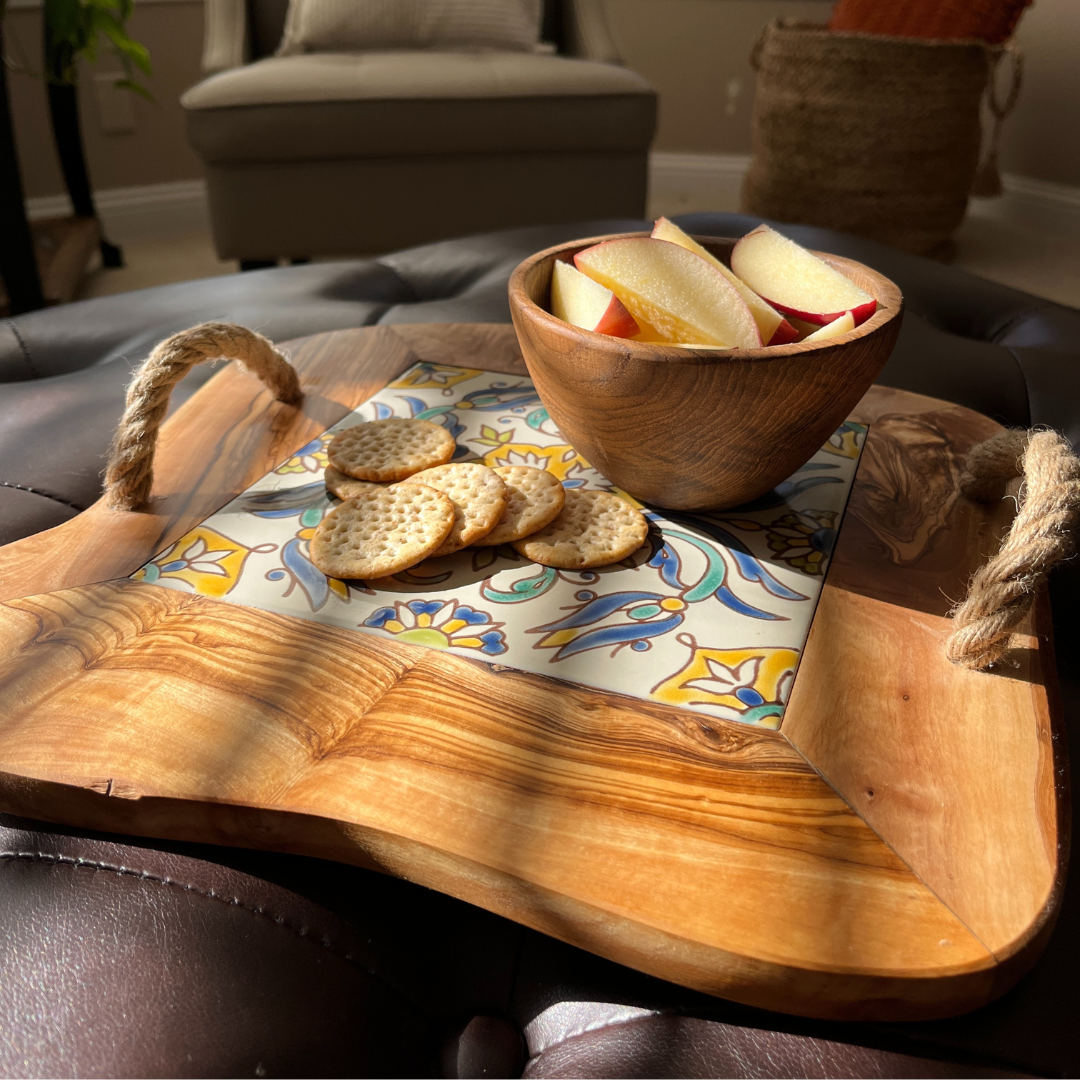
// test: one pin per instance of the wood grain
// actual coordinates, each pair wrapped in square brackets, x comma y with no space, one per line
[747,863]
[551,790]
[953,769]
[228,435]
[700,429]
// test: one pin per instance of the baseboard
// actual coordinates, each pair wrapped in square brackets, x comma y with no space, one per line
[678,184]
[1038,206]
[683,183]
[152,212]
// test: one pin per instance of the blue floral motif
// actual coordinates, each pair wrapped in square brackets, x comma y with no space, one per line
[714,581]
[308,500]
[440,624]
[498,397]
[651,614]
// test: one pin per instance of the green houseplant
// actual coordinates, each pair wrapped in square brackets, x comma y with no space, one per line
[74,30]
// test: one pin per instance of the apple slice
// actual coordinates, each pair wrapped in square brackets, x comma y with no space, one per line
[680,295]
[579,300]
[796,282]
[802,328]
[775,329]
[843,325]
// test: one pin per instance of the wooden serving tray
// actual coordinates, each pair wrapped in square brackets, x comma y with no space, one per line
[895,851]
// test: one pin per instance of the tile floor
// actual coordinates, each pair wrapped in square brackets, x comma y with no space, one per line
[1034,260]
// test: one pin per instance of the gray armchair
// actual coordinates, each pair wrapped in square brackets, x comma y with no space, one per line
[325,154]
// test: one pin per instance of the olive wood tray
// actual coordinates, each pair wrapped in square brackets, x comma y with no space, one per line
[896,850]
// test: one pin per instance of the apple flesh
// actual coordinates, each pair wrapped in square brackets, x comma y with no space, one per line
[682,296]
[579,300]
[774,328]
[843,325]
[796,282]
[802,329]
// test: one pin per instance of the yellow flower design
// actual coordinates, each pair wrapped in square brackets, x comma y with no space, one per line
[561,461]
[207,561]
[754,683]
[310,458]
[844,442]
[441,624]
[441,375]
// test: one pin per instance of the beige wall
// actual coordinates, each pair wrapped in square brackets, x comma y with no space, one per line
[1040,138]
[157,151]
[694,51]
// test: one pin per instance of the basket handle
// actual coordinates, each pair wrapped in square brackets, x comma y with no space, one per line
[759,45]
[987,181]
[1001,592]
[130,472]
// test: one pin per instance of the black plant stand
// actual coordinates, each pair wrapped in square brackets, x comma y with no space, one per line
[18,265]
[67,132]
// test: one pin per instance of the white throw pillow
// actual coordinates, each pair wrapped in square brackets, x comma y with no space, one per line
[363,25]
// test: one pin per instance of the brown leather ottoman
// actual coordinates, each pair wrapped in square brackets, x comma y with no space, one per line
[129,957]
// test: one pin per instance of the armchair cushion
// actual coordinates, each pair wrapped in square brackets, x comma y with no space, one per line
[335,106]
[333,25]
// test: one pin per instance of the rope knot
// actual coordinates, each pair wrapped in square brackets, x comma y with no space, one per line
[1001,592]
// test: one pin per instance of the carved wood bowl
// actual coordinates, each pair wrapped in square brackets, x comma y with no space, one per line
[696,429]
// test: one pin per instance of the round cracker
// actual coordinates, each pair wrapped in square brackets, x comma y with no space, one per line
[534,498]
[345,487]
[392,449]
[479,498]
[595,528]
[382,532]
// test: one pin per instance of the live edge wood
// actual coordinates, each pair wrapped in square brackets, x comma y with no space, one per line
[895,851]
[675,427]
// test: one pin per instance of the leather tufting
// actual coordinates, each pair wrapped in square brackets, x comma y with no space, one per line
[117,960]
[683,1046]
[120,956]
[1002,352]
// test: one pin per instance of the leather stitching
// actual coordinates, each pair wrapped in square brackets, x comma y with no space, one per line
[23,348]
[158,879]
[43,494]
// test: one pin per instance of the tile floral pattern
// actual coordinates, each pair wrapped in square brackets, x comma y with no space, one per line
[710,615]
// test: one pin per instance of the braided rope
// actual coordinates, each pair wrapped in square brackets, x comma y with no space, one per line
[130,472]
[1001,592]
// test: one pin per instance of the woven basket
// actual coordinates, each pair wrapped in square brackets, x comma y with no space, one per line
[876,136]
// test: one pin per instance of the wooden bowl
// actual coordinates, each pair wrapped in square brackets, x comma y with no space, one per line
[696,429]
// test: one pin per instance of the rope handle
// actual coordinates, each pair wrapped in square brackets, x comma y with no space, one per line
[129,475]
[1001,592]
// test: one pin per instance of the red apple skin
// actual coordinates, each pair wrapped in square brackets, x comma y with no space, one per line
[860,314]
[617,321]
[784,334]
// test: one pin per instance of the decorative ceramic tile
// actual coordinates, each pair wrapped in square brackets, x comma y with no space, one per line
[711,614]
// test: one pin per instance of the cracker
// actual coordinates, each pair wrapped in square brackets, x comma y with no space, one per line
[595,528]
[392,449]
[534,498]
[479,498]
[382,532]
[345,487]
